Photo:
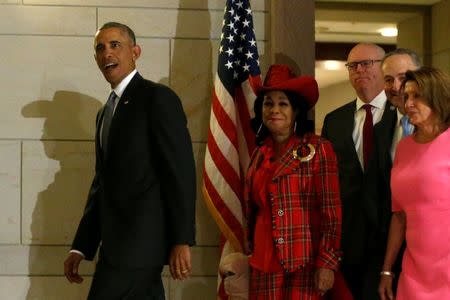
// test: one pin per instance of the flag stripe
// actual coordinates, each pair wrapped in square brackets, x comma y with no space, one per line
[248,88]
[219,167]
[223,217]
[222,124]
[247,134]
[230,138]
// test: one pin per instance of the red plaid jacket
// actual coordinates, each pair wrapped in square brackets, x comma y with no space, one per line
[306,207]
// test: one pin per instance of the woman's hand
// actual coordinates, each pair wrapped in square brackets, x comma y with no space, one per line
[385,288]
[323,280]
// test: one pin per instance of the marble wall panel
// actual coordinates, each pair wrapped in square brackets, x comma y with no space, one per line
[39,288]
[411,34]
[441,25]
[47,20]
[442,61]
[37,261]
[191,78]
[55,91]
[205,261]
[172,23]
[259,5]
[10,191]
[195,288]
[56,180]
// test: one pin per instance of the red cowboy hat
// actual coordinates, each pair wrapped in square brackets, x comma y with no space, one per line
[281,77]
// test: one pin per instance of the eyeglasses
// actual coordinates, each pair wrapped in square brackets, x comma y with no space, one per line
[365,64]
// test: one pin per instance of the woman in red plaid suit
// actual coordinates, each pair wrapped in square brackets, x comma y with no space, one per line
[292,195]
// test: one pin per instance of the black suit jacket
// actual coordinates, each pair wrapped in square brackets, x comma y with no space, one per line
[142,198]
[365,195]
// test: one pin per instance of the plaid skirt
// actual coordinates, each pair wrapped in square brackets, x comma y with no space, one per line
[297,285]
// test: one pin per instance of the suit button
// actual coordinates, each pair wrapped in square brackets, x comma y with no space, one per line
[280,241]
[280,212]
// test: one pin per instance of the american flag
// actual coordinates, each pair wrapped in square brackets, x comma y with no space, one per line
[230,139]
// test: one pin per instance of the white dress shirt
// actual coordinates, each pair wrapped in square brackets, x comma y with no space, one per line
[378,104]
[118,90]
[398,134]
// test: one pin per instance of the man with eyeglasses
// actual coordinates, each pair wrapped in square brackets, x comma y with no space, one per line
[360,131]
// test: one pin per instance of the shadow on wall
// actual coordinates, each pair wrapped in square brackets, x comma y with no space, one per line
[68,155]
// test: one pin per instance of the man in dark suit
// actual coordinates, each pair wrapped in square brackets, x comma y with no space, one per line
[361,133]
[394,66]
[141,205]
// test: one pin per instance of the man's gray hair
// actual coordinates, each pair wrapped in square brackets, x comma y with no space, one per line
[404,51]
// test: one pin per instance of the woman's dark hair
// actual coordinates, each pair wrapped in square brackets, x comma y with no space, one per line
[299,105]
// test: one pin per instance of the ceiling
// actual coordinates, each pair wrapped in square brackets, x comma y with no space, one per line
[352,21]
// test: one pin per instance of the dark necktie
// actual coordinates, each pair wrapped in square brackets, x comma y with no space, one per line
[107,117]
[367,135]
[406,126]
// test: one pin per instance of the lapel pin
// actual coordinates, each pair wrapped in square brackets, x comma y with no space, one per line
[298,152]
[125,102]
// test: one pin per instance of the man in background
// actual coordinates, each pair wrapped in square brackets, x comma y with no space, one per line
[394,66]
[140,209]
[359,131]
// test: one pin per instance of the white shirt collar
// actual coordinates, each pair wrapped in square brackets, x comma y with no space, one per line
[379,101]
[123,84]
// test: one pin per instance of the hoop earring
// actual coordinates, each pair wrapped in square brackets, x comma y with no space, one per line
[259,129]
[295,126]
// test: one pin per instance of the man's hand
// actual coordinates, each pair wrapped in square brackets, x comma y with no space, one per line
[180,262]
[323,280]
[71,265]
[385,288]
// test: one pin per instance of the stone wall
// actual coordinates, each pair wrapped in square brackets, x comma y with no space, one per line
[51,90]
